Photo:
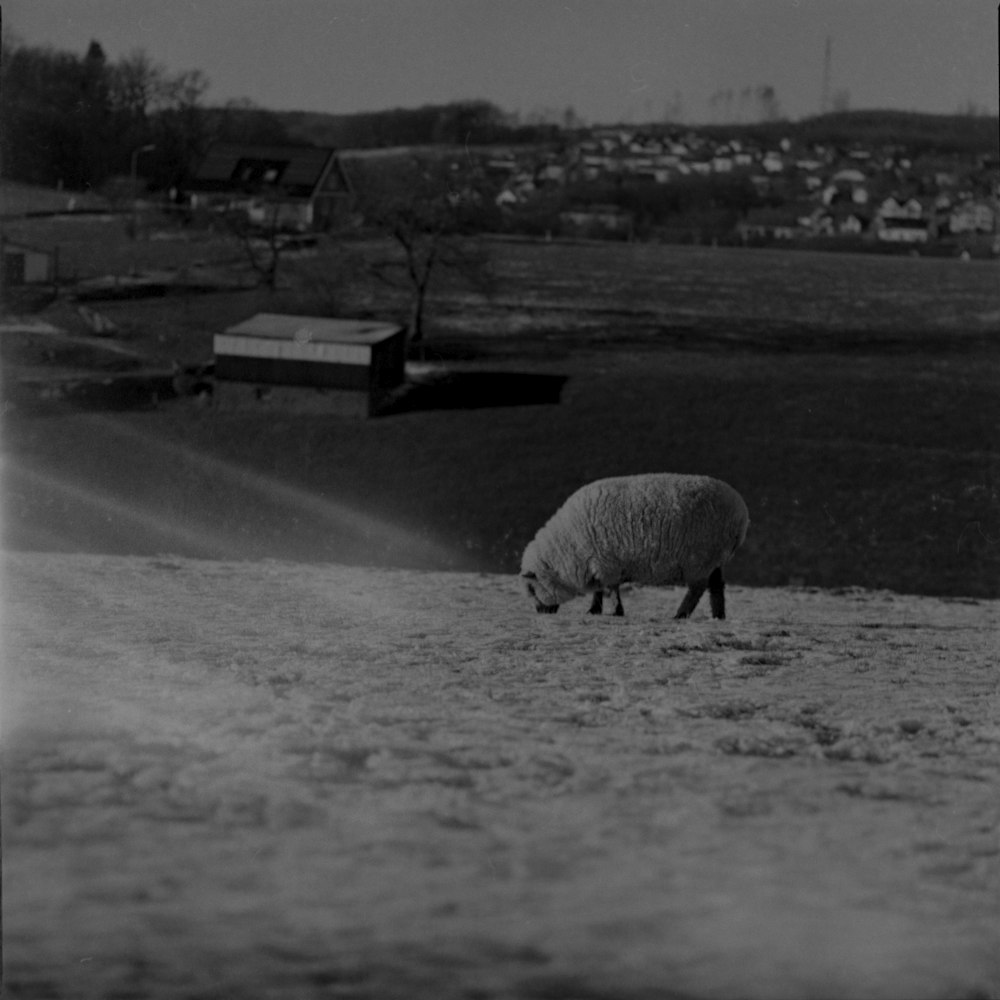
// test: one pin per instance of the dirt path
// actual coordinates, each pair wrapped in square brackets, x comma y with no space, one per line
[277,781]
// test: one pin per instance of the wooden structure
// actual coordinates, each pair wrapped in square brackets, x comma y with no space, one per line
[327,365]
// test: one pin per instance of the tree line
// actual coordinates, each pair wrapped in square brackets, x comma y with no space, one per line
[78,121]
[472,123]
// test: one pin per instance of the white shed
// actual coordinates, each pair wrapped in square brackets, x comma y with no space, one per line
[346,360]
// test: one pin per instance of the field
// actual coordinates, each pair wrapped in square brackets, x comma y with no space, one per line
[852,400]
[278,722]
[251,780]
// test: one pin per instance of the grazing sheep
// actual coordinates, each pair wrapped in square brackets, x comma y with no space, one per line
[654,529]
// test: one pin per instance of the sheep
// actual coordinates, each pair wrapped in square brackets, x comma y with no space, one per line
[658,528]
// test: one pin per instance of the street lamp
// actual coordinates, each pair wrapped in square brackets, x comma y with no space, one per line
[136,153]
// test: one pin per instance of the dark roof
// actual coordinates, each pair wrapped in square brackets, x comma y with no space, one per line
[298,171]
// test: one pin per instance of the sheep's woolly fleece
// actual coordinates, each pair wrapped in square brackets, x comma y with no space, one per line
[654,528]
[282,781]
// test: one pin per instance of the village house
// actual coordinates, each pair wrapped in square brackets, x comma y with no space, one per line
[972,217]
[899,221]
[766,224]
[852,224]
[772,162]
[501,165]
[819,222]
[296,188]
[506,198]
[597,221]
[894,208]
[550,175]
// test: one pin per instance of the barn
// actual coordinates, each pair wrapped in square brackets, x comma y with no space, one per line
[330,365]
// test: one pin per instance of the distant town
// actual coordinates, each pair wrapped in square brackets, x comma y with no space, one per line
[791,190]
[885,181]
[746,186]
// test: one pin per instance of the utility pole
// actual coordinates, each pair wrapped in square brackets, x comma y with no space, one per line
[133,172]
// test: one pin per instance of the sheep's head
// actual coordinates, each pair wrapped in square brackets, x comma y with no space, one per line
[547,596]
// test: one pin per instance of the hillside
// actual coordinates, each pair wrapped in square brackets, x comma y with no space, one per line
[964,135]
[269,779]
[967,135]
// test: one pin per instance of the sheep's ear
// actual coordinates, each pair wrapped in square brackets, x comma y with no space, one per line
[530,575]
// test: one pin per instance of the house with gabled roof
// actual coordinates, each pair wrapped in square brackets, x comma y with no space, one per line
[902,221]
[292,187]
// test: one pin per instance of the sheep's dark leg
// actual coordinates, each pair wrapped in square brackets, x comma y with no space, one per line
[691,598]
[596,603]
[717,593]
[619,610]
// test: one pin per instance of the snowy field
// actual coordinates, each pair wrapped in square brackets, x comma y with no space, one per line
[269,780]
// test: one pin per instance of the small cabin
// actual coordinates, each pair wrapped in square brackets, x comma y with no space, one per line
[25,265]
[328,365]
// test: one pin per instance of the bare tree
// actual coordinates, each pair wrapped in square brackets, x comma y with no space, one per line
[434,210]
[262,242]
[770,107]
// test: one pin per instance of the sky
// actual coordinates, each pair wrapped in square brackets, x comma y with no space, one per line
[610,60]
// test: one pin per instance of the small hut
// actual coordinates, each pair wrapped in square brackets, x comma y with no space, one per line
[24,265]
[327,365]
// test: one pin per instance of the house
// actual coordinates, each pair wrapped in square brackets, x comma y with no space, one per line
[501,165]
[848,177]
[764,224]
[972,217]
[852,224]
[895,208]
[819,222]
[597,222]
[902,230]
[293,187]
[24,265]
[898,221]
[506,199]
[588,167]
[772,162]
[550,175]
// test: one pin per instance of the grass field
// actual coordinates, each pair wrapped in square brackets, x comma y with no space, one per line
[852,400]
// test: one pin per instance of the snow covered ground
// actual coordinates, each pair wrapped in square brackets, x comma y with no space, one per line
[271,780]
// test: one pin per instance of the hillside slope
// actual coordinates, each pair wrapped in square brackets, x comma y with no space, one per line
[288,781]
